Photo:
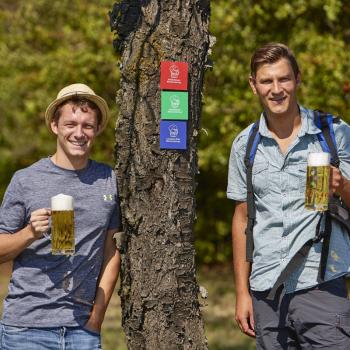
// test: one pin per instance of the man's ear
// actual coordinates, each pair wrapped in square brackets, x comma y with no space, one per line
[252,84]
[54,127]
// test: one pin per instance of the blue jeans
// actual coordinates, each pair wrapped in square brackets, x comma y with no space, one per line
[60,338]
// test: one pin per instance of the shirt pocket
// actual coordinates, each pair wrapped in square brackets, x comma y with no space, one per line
[297,179]
[343,330]
[260,178]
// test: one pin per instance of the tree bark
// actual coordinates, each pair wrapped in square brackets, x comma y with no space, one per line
[159,292]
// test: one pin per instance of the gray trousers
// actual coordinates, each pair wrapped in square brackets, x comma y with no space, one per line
[315,318]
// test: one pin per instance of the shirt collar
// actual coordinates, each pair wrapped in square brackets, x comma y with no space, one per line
[307,123]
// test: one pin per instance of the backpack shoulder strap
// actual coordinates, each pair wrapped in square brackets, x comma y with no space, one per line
[325,122]
[252,145]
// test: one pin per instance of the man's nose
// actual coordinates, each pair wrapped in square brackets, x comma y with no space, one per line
[276,87]
[79,132]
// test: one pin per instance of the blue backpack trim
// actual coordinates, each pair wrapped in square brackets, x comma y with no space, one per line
[256,142]
[324,121]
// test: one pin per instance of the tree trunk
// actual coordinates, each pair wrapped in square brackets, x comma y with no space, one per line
[159,292]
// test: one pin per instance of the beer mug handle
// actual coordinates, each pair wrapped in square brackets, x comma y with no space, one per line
[46,235]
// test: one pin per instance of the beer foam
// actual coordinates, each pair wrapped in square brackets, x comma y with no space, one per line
[62,202]
[318,159]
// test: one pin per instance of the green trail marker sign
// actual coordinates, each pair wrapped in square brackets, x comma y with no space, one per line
[174,105]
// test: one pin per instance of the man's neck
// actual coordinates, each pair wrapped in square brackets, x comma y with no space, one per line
[283,126]
[68,163]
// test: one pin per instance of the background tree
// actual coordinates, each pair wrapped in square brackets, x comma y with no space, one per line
[156,187]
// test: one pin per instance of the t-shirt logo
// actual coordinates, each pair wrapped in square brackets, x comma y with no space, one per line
[107,197]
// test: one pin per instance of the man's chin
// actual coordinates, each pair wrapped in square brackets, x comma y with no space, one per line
[79,153]
[78,149]
[278,110]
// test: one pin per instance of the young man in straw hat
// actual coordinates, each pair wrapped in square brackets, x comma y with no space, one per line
[57,301]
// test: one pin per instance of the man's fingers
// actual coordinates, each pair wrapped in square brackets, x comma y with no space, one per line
[245,327]
[39,221]
[335,180]
[42,212]
[38,218]
[40,215]
[250,330]
[251,321]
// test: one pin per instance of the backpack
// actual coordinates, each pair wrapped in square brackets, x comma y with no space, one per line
[337,210]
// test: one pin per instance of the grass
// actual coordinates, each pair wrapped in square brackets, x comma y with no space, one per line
[218,312]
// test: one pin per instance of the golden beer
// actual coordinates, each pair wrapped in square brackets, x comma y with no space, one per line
[62,232]
[317,181]
[62,225]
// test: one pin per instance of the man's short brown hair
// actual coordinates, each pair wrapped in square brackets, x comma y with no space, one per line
[271,53]
[79,102]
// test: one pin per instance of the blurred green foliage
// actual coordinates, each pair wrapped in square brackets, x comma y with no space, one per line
[45,45]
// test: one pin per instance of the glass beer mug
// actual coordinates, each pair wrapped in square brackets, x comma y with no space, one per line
[317,181]
[62,225]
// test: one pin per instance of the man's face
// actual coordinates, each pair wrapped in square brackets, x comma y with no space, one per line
[76,130]
[276,86]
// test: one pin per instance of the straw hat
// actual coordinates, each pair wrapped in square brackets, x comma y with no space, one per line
[80,90]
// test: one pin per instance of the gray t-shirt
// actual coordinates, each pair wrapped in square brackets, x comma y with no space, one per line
[53,290]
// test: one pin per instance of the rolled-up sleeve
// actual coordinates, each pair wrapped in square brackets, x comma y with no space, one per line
[342,133]
[236,186]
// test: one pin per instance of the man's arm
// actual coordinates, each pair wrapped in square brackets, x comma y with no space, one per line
[106,284]
[12,245]
[244,306]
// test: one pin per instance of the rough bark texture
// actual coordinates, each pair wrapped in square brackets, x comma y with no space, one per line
[159,291]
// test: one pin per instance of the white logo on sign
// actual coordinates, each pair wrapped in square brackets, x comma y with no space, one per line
[173,130]
[174,71]
[174,101]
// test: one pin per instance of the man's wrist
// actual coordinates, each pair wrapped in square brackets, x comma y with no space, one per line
[97,314]
[30,233]
[242,289]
